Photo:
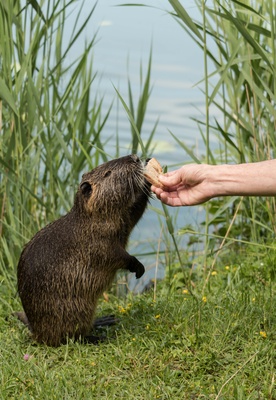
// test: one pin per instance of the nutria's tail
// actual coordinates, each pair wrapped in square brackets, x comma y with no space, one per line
[23,318]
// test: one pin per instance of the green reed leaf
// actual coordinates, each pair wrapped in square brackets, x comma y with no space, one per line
[6,95]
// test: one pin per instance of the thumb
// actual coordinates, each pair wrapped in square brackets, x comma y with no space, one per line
[170,179]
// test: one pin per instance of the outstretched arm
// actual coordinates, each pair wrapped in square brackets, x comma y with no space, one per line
[196,183]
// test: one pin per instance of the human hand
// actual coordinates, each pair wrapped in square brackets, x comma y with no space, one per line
[185,186]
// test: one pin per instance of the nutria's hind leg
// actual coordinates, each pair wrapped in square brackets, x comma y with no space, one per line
[100,322]
[93,339]
[108,320]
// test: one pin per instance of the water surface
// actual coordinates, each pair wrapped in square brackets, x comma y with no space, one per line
[126,36]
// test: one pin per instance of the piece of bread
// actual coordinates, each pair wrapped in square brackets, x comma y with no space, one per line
[152,171]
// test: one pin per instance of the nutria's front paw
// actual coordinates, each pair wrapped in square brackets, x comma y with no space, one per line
[135,266]
[140,270]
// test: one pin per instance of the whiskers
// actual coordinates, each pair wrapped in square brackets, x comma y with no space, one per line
[139,180]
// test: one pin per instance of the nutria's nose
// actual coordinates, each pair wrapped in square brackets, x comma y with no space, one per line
[135,158]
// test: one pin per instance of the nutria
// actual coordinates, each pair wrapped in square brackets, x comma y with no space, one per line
[67,265]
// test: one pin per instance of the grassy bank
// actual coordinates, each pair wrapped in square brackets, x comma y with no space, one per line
[218,343]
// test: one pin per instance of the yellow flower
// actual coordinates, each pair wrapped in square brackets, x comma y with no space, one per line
[121,309]
[263,334]
[147,327]
[157,316]
[204,299]
[214,273]
[185,291]
[227,267]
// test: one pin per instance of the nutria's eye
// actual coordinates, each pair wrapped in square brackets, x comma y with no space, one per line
[107,173]
[86,188]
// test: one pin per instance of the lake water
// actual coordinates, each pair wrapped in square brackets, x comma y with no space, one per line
[125,37]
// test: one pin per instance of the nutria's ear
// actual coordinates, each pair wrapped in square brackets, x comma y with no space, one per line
[86,188]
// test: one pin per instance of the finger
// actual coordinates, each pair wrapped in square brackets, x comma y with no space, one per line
[171,200]
[156,190]
[170,173]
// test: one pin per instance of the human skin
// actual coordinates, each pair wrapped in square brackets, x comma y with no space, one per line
[194,184]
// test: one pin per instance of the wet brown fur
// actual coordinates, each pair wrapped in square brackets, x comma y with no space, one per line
[67,265]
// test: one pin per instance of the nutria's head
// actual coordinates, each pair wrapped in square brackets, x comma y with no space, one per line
[115,189]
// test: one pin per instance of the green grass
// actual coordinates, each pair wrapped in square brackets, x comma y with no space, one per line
[216,344]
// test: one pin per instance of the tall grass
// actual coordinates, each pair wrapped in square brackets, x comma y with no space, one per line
[238,44]
[51,117]
[50,123]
